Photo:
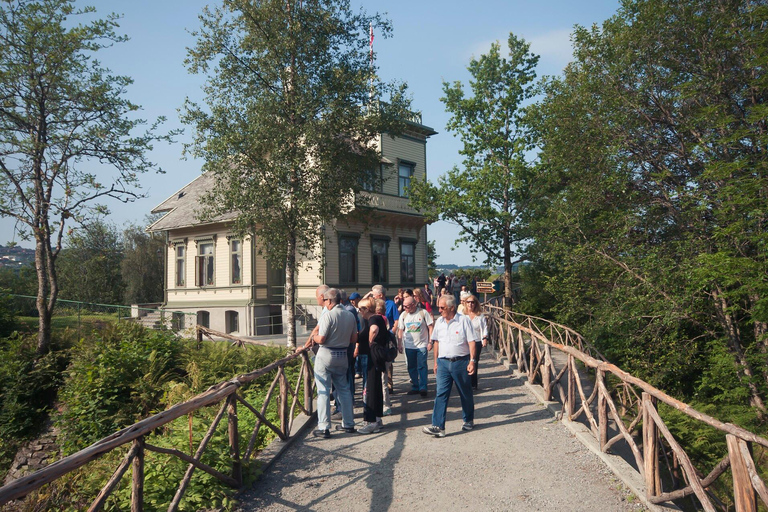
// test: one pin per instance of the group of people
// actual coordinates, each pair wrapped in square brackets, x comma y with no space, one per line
[351,340]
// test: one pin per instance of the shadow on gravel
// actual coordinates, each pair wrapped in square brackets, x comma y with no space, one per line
[311,466]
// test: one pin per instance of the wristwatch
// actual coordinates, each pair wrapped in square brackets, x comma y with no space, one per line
[473,360]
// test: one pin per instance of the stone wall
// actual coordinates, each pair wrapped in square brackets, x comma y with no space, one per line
[34,455]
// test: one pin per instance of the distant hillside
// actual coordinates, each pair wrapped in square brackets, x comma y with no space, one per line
[15,257]
[449,267]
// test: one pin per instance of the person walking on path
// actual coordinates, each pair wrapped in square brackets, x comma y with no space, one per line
[455,349]
[336,330]
[372,341]
[415,329]
[392,315]
[422,301]
[480,325]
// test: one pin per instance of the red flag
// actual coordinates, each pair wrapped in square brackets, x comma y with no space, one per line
[371,43]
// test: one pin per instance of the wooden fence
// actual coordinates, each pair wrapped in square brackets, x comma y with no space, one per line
[224,393]
[627,406]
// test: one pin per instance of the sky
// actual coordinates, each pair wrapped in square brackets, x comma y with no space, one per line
[432,41]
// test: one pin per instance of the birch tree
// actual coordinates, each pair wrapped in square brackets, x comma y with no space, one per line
[289,120]
[67,133]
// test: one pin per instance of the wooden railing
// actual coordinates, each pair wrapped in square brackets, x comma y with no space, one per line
[224,393]
[627,406]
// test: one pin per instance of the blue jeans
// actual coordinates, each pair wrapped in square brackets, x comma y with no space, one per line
[417,367]
[361,367]
[447,373]
[331,370]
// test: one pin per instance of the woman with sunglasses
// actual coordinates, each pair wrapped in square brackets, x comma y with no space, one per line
[371,341]
[480,326]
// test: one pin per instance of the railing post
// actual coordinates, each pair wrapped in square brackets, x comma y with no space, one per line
[532,361]
[650,449]
[546,373]
[602,410]
[743,492]
[571,405]
[283,406]
[307,384]
[234,439]
[137,489]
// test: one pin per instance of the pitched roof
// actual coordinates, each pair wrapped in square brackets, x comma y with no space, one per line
[183,207]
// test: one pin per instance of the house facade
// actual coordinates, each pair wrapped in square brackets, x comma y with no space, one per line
[219,280]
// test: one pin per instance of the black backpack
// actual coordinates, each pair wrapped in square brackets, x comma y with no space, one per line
[391,348]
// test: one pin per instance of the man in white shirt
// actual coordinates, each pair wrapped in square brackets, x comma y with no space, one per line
[414,328]
[454,344]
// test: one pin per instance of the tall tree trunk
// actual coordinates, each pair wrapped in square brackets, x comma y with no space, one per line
[43,289]
[743,369]
[507,270]
[290,290]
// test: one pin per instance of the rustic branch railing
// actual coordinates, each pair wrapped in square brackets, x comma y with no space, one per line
[225,393]
[628,408]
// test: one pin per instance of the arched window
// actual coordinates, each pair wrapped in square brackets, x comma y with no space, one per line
[204,319]
[177,321]
[232,321]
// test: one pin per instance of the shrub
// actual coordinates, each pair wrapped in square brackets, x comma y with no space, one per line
[28,388]
[116,380]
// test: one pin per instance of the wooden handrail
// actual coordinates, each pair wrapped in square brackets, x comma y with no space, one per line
[213,395]
[520,339]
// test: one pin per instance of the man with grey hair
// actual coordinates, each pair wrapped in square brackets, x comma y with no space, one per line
[455,347]
[337,329]
[319,292]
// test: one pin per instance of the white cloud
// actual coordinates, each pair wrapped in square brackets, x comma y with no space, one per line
[554,48]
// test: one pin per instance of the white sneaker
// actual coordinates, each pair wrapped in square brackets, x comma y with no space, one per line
[433,430]
[388,411]
[370,428]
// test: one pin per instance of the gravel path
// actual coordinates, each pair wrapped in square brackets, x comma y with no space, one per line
[517,458]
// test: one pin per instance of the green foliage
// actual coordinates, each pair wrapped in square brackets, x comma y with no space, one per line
[89,266]
[28,387]
[21,281]
[115,380]
[431,259]
[647,215]
[293,112]
[64,119]
[484,198]
[482,274]
[141,268]
[8,313]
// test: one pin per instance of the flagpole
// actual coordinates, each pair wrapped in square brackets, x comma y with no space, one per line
[370,43]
